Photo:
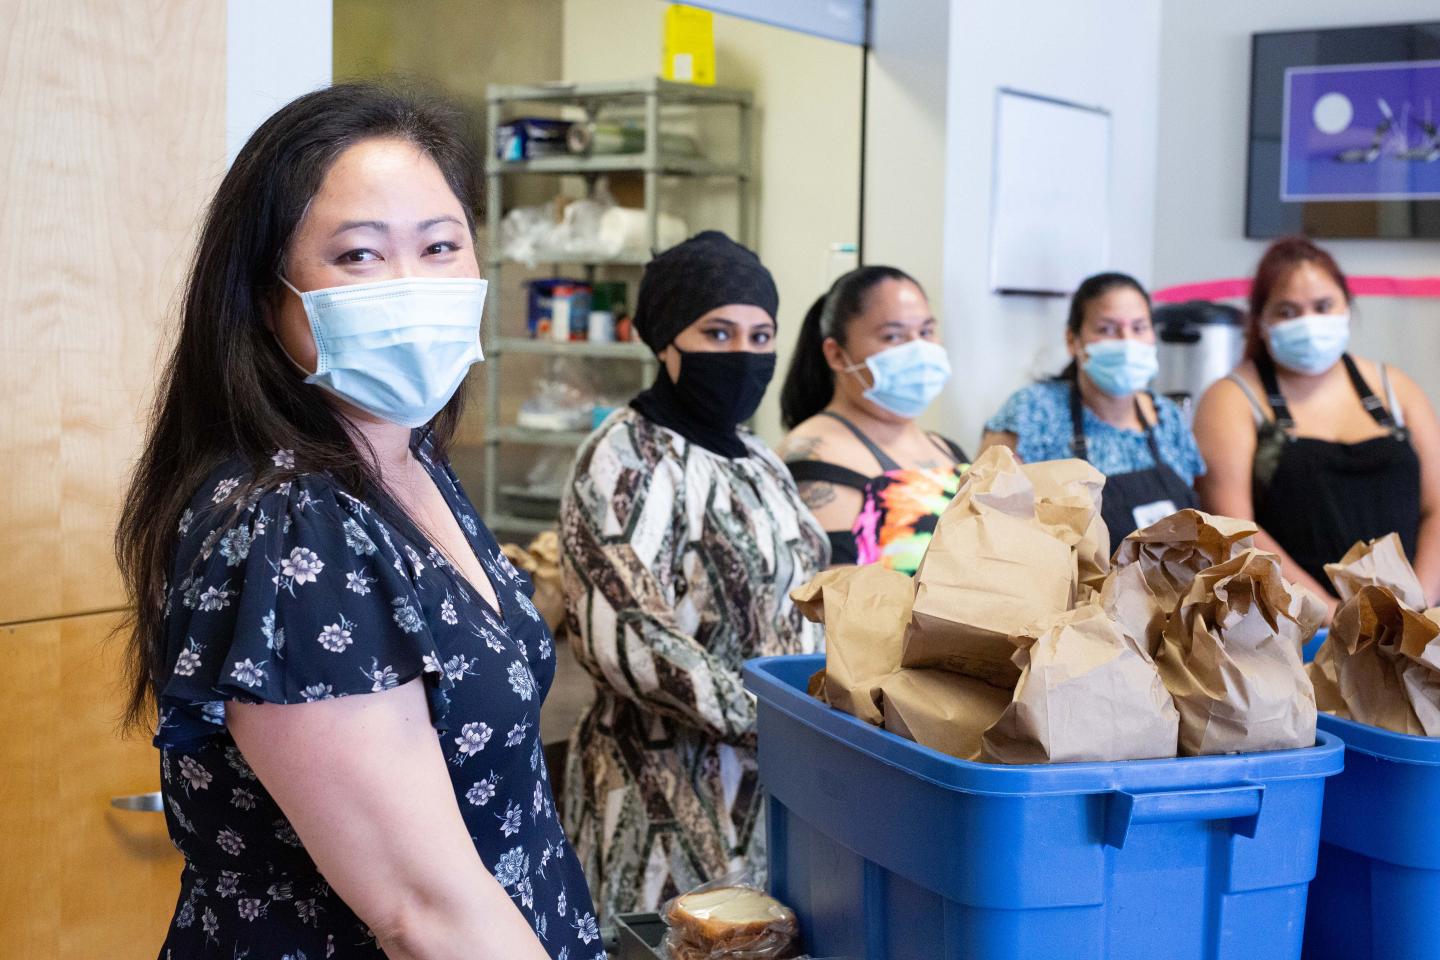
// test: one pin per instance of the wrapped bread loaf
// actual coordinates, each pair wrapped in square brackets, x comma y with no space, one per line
[731,922]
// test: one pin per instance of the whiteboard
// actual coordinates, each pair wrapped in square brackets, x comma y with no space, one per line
[1050,194]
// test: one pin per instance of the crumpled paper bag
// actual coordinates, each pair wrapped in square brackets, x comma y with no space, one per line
[1155,567]
[1067,506]
[1231,659]
[541,561]
[990,571]
[1380,563]
[864,611]
[942,710]
[1087,692]
[1374,665]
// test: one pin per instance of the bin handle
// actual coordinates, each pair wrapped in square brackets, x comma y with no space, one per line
[1238,804]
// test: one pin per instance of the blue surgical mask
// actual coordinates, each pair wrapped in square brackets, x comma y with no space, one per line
[905,379]
[1310,344]
[1121,367]
[396,349]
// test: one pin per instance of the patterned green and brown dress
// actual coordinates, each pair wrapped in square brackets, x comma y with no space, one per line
[678,567]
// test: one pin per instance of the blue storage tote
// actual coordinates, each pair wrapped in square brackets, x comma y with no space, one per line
[1377,888]
[888,850]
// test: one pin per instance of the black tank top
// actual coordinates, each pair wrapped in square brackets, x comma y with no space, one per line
[1318,498]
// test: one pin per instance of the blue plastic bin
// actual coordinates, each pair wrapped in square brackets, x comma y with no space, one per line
[888,850]
[1377,888]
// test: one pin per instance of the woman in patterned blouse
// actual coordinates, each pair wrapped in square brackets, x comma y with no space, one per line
[348,672]
[683,536]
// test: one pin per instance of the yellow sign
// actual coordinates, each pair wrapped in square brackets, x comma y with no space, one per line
[689,54]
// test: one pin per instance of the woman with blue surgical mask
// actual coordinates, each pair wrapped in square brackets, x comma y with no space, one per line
[1098,409]
[1321,448]
[343,672]
[865,366]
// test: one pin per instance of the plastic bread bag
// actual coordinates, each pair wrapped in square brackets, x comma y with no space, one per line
[730,919]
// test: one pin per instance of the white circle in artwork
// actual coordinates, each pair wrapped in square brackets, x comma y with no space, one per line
[1333,113]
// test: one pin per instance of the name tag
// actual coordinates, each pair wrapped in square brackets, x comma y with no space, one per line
[1149,513]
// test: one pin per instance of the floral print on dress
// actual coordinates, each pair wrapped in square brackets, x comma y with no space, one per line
[309,595]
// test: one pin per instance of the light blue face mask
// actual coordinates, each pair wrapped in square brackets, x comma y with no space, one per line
[905,379]
[1121,367]
[396,349]
[1310,344]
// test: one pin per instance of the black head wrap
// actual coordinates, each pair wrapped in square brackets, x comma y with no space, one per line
[718,390]
[690,279]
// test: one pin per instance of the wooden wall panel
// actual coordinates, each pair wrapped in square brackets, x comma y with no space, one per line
[111,137]
[80,879]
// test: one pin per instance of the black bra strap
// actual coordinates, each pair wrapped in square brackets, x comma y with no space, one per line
[881,457]
[818,471]
[1373,405]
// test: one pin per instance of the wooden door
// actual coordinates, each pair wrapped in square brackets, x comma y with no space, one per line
[80,879]
[112,134]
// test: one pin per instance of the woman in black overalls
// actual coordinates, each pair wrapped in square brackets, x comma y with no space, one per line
[1099,410]
[1320,448]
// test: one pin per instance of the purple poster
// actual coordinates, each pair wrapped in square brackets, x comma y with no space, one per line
[1362,132]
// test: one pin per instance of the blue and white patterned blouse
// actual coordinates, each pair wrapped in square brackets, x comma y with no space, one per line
[1039,416]
[308,594]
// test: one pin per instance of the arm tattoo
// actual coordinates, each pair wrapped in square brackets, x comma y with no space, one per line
[816,495]
[804,448]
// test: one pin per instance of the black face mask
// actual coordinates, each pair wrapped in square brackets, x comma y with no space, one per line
[716,392]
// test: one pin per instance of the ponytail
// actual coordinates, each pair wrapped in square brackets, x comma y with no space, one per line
[809,383]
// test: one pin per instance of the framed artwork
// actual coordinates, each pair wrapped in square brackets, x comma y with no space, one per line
[1345,133]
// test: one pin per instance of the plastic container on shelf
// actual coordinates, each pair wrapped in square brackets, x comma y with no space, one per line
[887,849]
[1376,894]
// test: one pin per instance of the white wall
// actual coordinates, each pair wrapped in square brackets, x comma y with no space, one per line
[275,50]
[935,71]
[1203,129]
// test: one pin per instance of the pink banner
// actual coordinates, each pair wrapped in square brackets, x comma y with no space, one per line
[1359,286]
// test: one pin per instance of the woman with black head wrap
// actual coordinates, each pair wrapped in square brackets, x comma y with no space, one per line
[683,535]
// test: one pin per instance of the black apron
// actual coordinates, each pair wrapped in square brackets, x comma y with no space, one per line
[1318,498]
[1139,498]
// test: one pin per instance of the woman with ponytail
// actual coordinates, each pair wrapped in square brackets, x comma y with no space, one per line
[1320,448]
[866,365]
[1098,409]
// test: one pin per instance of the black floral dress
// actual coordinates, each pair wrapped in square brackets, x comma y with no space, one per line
[306,595]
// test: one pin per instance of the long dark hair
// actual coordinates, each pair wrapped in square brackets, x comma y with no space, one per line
[1282,257]
[809,383]
[1091,289]
[226,390]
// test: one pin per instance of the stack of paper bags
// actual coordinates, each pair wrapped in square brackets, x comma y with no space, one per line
[1380,665]
[992,660]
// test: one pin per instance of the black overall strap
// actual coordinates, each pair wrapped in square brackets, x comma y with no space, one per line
[1080,447]
[881,457]
[1266,368]
[818,471]
[1373,405]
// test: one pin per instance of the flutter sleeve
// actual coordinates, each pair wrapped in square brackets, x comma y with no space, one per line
[301,595]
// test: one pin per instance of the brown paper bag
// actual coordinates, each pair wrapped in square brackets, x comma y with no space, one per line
[1155,566]
[1087,692]
[989,572]
[1067,505]
[864,610]
[1231,659]
[1382,563]
[1376,665]
[941,710]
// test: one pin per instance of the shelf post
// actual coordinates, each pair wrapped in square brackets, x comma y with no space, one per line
[490,332]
